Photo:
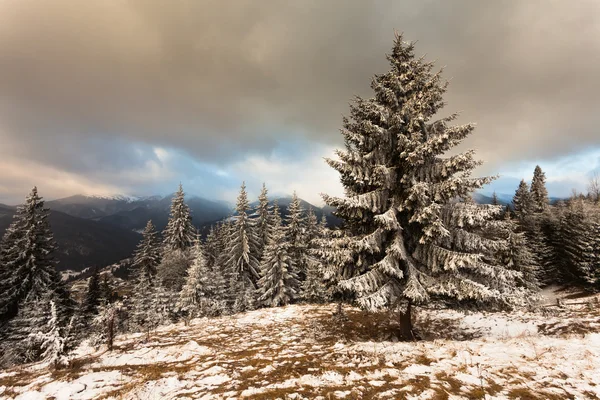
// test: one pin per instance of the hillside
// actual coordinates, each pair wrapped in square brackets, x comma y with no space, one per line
[134,212]
[82,242]
[301,352]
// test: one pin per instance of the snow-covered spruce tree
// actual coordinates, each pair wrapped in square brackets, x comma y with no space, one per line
[553,227]
[518,256]
[178,238]
[595,273]
[146,306]
[140,307]
[151,304]
[211,247]
[147,255]
[179,232]
[538,192]
[215,249]
[495,201]
[405,241]
[224,232]
[522,202]
[107,292]
[172,270]
[296,236]
[263,220]
[29,264]
[278,284]
[529,210]
[8,305]
[105,325]
[198,297]
[16,345]
[52,342]
[312,230]
[313,287]
[578,241]
[91,299]
[242,249]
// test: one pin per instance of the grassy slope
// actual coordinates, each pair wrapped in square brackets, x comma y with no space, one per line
[300,351]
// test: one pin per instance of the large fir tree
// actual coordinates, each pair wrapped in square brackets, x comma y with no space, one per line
[29,267]
[406,241]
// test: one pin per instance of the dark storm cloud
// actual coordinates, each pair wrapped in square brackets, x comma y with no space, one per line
[219,79]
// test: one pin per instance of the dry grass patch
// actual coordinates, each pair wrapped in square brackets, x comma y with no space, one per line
[531,394]
[560,329]
[356,326]
[449,382]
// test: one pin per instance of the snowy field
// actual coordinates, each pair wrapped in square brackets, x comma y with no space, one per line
[301,351]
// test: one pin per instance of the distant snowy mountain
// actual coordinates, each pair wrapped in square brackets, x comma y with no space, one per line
[486,198]
[503,198]
[132,212]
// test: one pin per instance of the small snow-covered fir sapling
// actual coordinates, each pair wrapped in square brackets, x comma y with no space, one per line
[106,323]
[52,342]
[406,239]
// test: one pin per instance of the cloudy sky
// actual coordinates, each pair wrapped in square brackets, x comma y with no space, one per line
[134,96]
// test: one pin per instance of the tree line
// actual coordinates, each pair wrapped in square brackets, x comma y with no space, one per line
[564,237]
[253,259]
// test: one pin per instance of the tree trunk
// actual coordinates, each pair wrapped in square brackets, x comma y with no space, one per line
[111,333]
[406,327]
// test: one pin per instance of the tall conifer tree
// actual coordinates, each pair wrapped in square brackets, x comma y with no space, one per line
[179,233]
[522,202]
[278,284]
[91,299]
[147,255]
[539,193]
[28,261]
[406,241]
[296,235]
[243,243]
[263,222]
